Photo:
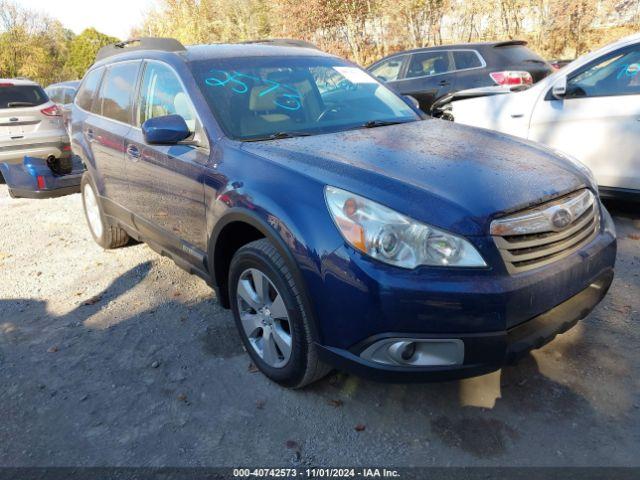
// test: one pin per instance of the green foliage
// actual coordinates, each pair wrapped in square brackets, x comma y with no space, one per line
[34,46]
[83,49]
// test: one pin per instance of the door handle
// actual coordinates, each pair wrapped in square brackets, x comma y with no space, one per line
[444,82]
[89,133]
[133,152]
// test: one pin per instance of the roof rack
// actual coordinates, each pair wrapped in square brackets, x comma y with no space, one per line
[284,42]
[147,43]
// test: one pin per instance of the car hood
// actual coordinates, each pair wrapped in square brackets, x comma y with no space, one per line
[449,175]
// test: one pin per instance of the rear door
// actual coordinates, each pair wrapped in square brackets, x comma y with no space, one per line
[598,120]
[166,181]
[429,75]
[107,130]
[470,69]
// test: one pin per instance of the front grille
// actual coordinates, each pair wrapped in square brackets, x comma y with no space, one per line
[548,232]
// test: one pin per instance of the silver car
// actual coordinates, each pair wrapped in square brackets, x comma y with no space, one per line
[30,123]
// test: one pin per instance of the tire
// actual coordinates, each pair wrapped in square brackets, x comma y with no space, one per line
[261,328]
[106,235]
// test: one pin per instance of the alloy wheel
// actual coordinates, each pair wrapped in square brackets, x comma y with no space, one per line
[264,318]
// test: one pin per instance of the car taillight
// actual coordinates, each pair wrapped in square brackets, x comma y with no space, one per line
[6,84]
[512,77]
[52,111]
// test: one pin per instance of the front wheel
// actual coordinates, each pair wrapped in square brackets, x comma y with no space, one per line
[106,235]
[271,317]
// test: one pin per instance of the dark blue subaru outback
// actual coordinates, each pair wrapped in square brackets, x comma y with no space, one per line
[341,227]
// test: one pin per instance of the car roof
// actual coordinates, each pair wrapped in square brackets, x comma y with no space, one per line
[68,83]
[458,46]
[193,53]
[235,50]
[19,81]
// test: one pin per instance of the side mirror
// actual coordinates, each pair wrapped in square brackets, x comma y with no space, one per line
[411,101]
[559,89]
[166,130]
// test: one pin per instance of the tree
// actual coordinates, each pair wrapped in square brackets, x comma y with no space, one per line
[83,50]
[31,45]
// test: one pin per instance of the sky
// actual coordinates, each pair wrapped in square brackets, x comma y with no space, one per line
[113,17]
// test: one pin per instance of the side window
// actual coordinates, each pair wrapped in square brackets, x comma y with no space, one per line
[89,89]
[429,63]
[162,94]
[466,59]
[616,74]
[116,95]
[388,70]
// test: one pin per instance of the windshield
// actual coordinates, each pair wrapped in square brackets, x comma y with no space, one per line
[259,98]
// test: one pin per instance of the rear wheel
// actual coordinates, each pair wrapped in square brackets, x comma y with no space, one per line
[106,235]
[271,317]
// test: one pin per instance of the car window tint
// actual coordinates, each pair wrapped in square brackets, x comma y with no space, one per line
[162,94]
[89,89]
[466,59]
[16,96]
[254,98]
[388,70]
[616,74]
[116,93]
[428,63]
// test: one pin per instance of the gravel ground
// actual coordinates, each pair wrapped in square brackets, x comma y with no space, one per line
[119,358]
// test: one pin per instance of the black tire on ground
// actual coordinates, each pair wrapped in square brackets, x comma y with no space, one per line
[303,366]
[112,236]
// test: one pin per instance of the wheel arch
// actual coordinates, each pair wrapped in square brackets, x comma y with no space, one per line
[224,242]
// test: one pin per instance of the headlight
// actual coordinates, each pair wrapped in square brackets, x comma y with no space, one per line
[393,238]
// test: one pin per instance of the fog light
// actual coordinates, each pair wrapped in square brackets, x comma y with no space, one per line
[408,351]
[416,352]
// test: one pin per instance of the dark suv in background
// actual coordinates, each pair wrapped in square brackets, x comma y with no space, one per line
[428,74]
[341,227]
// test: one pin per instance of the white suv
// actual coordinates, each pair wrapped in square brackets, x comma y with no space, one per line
[30,123]
[590,110]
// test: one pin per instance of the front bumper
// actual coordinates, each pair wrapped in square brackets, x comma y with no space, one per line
[498,316]
[483,352]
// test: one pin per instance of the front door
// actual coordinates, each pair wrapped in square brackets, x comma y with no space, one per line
[166,181]
[598,120]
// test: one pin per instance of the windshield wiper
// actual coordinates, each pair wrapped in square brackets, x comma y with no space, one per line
[278,136]
[382,123]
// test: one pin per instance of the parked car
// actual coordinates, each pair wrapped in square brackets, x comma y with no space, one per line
[30,123]
[63,94]
[340,227]
[590,110]
[431,73]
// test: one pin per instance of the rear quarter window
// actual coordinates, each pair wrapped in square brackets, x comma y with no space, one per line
[16,96]
[89,89]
